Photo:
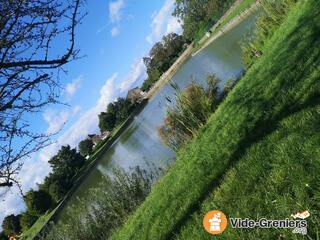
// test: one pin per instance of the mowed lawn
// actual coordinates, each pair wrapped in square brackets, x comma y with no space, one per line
[276,99]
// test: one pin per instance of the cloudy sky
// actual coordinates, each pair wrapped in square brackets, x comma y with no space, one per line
[113,38]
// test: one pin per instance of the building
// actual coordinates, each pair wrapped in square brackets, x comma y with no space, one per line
[135,95]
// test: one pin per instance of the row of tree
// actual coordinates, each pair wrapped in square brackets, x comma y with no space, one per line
[65,166]
[116,113]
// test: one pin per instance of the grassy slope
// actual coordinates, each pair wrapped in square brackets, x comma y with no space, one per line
[271,90]
[276,178]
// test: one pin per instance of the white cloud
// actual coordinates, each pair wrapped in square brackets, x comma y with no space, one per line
[72,87]
[137,72]
[115,31]
[115,10]
[163,23]
[56,119]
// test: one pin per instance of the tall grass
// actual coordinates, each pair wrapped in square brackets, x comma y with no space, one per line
[105,208]
[283,81]
[190,110]
[273,14]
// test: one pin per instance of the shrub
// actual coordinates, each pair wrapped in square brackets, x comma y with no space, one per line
[107,207]
[11,225]
[274,13]
[190,111]
[38,202]
[27,220]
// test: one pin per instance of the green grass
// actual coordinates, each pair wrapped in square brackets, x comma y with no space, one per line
[283,81]
[37,226]
[276,178]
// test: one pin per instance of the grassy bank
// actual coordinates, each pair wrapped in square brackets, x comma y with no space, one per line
[276,177]
[53,216]
[229,16]
[285,80]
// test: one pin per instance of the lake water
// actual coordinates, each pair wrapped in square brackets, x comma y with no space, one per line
[140,144]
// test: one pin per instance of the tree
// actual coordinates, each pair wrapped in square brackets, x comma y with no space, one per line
[11,225]
[161,56]
[38,202]
[29,72]
[198,15]
[85,147]
[27,220]
[67,162]
[117,112]
[3,236]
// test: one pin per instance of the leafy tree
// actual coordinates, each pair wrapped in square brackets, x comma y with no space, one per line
[3,236]
[29,72]
[161,57]
[117,112]
[59,188]
[11,224]
[107,121]
[38,202]
[27,220]
[85,147]
[67,161]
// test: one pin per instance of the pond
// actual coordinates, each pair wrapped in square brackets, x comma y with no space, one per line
[140,144]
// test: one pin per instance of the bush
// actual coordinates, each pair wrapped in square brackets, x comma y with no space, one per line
[107,207]
[38,202]
[274,14]
[27,220]
[11,225]
[191,110]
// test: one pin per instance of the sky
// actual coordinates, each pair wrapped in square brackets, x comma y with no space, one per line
[113,39]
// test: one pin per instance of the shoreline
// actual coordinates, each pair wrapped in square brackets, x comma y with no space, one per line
[204,42]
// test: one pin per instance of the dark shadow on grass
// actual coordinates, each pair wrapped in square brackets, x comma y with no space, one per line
[258,133]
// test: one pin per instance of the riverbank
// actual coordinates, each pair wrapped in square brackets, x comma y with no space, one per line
[258,155]
[239,11]
[42,224]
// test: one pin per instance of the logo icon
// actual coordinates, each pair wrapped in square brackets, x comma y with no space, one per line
[215,222]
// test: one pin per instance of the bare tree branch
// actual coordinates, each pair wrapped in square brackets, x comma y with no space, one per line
[33,35]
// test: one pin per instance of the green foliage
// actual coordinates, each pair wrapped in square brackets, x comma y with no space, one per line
[162,55]
[190,112]
[85,147]
[283,82]
[117,112]
[38,202]
[3,236]
[107,207]
[198,16]
[65,165]
[27,220]
[11,225]
[274,13]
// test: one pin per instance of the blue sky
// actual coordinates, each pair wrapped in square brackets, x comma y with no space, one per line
[113,38]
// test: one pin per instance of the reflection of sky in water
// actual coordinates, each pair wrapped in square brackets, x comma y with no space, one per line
[140,143]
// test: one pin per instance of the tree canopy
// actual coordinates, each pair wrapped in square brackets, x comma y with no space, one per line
[161,57]
[117,112]
[11,225]
[38,202]
[85,147]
